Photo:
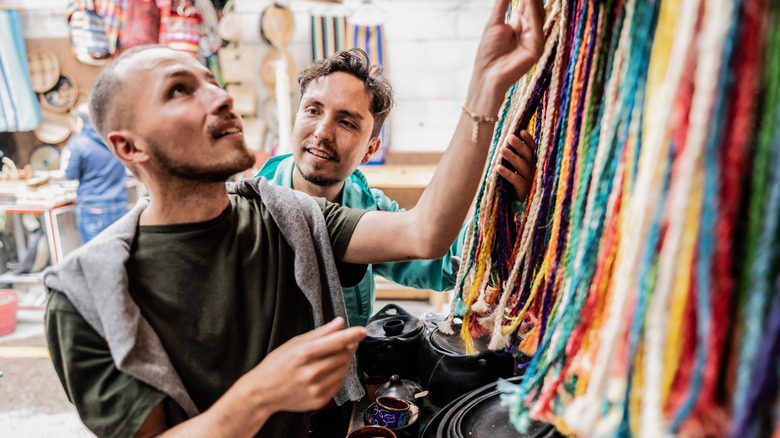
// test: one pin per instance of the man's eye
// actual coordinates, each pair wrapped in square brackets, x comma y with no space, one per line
[177,90]
[347,124]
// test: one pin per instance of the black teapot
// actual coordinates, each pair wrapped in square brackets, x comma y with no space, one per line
[447,371]
[392,343]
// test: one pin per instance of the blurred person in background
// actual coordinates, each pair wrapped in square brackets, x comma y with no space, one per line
[102,193]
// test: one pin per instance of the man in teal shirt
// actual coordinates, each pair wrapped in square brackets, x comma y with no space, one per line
[331,138]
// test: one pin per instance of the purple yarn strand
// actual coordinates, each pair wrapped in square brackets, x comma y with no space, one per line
[764,381]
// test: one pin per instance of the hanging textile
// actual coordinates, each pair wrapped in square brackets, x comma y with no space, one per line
[328,35]
[142,24]
[108,16]
[19,108]
[180,25]
[112,12]
[641,272]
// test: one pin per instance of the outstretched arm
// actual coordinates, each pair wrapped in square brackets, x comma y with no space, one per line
[507,51]
[301,375]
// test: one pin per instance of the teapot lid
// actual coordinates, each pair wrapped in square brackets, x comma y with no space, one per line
[454,343]
[393,321]
[401,388]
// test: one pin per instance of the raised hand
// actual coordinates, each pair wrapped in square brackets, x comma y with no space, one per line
[508,50]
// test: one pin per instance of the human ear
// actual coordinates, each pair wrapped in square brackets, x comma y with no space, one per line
[373,146]
[126,148]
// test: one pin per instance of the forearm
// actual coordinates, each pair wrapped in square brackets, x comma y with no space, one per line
[435,274]
[238,413]
[444,203]
[507,51]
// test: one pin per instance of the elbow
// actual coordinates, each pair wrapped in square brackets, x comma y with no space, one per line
[433,250]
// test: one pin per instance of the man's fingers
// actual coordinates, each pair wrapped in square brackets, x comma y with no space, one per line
[531,14]
[524,148]
[528,24]
[333,326]
[528,139]
[519,183]
[499,12]
[536,13]
[522,167]
[342,340]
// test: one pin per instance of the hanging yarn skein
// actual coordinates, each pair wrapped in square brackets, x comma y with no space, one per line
[640,274]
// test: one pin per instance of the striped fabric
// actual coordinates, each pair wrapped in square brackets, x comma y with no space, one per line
[370,39]
[112,12]
[328,35]
[177,32]
[19,108]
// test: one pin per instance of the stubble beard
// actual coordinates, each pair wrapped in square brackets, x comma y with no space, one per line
[314,173]
[206,174]
[318,180]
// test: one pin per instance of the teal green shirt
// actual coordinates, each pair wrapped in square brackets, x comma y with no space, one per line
[436,274]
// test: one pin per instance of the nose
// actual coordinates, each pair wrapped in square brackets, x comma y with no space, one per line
[218,100]
[324,131]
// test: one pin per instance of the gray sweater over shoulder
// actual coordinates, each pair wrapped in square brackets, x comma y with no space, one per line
[95,280]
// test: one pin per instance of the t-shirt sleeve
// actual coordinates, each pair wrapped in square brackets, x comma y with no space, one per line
[341,222]
[109,402]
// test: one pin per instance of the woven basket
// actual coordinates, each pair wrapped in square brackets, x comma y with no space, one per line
[277,25]
[56,127]
[45,157]
[44,69]
[244,99]
[55,101]
[229,26]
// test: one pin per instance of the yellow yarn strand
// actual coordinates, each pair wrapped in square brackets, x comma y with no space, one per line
[659,56]
[635,398]
[478,274]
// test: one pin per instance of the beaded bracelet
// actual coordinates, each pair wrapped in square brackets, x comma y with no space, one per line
[476,120]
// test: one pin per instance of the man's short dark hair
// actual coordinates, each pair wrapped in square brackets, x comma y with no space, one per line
[105,88]
[356,63]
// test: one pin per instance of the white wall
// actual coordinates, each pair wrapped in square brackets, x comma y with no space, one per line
[430,49]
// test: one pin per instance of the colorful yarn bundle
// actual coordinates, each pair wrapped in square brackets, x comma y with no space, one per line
[642,272]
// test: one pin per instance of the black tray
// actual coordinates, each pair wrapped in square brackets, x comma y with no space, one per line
[431,429]
[486,417]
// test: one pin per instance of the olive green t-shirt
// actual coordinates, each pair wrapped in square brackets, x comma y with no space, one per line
[219,294]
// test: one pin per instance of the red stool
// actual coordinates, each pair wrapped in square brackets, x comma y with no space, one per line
[9,302]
